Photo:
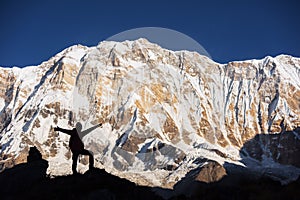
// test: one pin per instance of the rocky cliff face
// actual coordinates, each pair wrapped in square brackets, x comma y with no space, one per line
[162,111]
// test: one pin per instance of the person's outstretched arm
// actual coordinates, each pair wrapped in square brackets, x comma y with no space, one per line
[87,131]
[67,131]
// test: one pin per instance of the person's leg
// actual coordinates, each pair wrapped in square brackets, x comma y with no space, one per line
[74,164]
[91,158]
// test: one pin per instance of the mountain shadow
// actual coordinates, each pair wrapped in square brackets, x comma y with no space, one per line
[283,147]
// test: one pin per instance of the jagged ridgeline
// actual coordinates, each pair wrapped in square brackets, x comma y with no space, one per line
[164,113]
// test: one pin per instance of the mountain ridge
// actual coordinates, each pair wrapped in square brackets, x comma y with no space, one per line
[160,109]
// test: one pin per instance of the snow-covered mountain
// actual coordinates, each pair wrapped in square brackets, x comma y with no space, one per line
[164,113]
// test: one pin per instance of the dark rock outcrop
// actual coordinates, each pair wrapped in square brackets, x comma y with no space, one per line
[211,172]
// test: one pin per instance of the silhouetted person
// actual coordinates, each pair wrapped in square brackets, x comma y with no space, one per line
[76,145]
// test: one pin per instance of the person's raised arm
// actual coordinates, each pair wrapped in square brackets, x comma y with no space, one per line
[67,131]
[84,133]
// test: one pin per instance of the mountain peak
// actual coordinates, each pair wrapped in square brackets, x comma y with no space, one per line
[163,112]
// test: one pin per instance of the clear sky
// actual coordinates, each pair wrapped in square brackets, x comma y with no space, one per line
[33,31]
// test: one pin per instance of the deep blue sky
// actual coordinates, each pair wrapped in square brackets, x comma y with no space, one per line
[33,31]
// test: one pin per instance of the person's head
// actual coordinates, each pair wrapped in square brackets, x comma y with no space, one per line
[78,126]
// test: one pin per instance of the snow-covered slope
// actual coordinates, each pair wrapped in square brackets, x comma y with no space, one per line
[162,111]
